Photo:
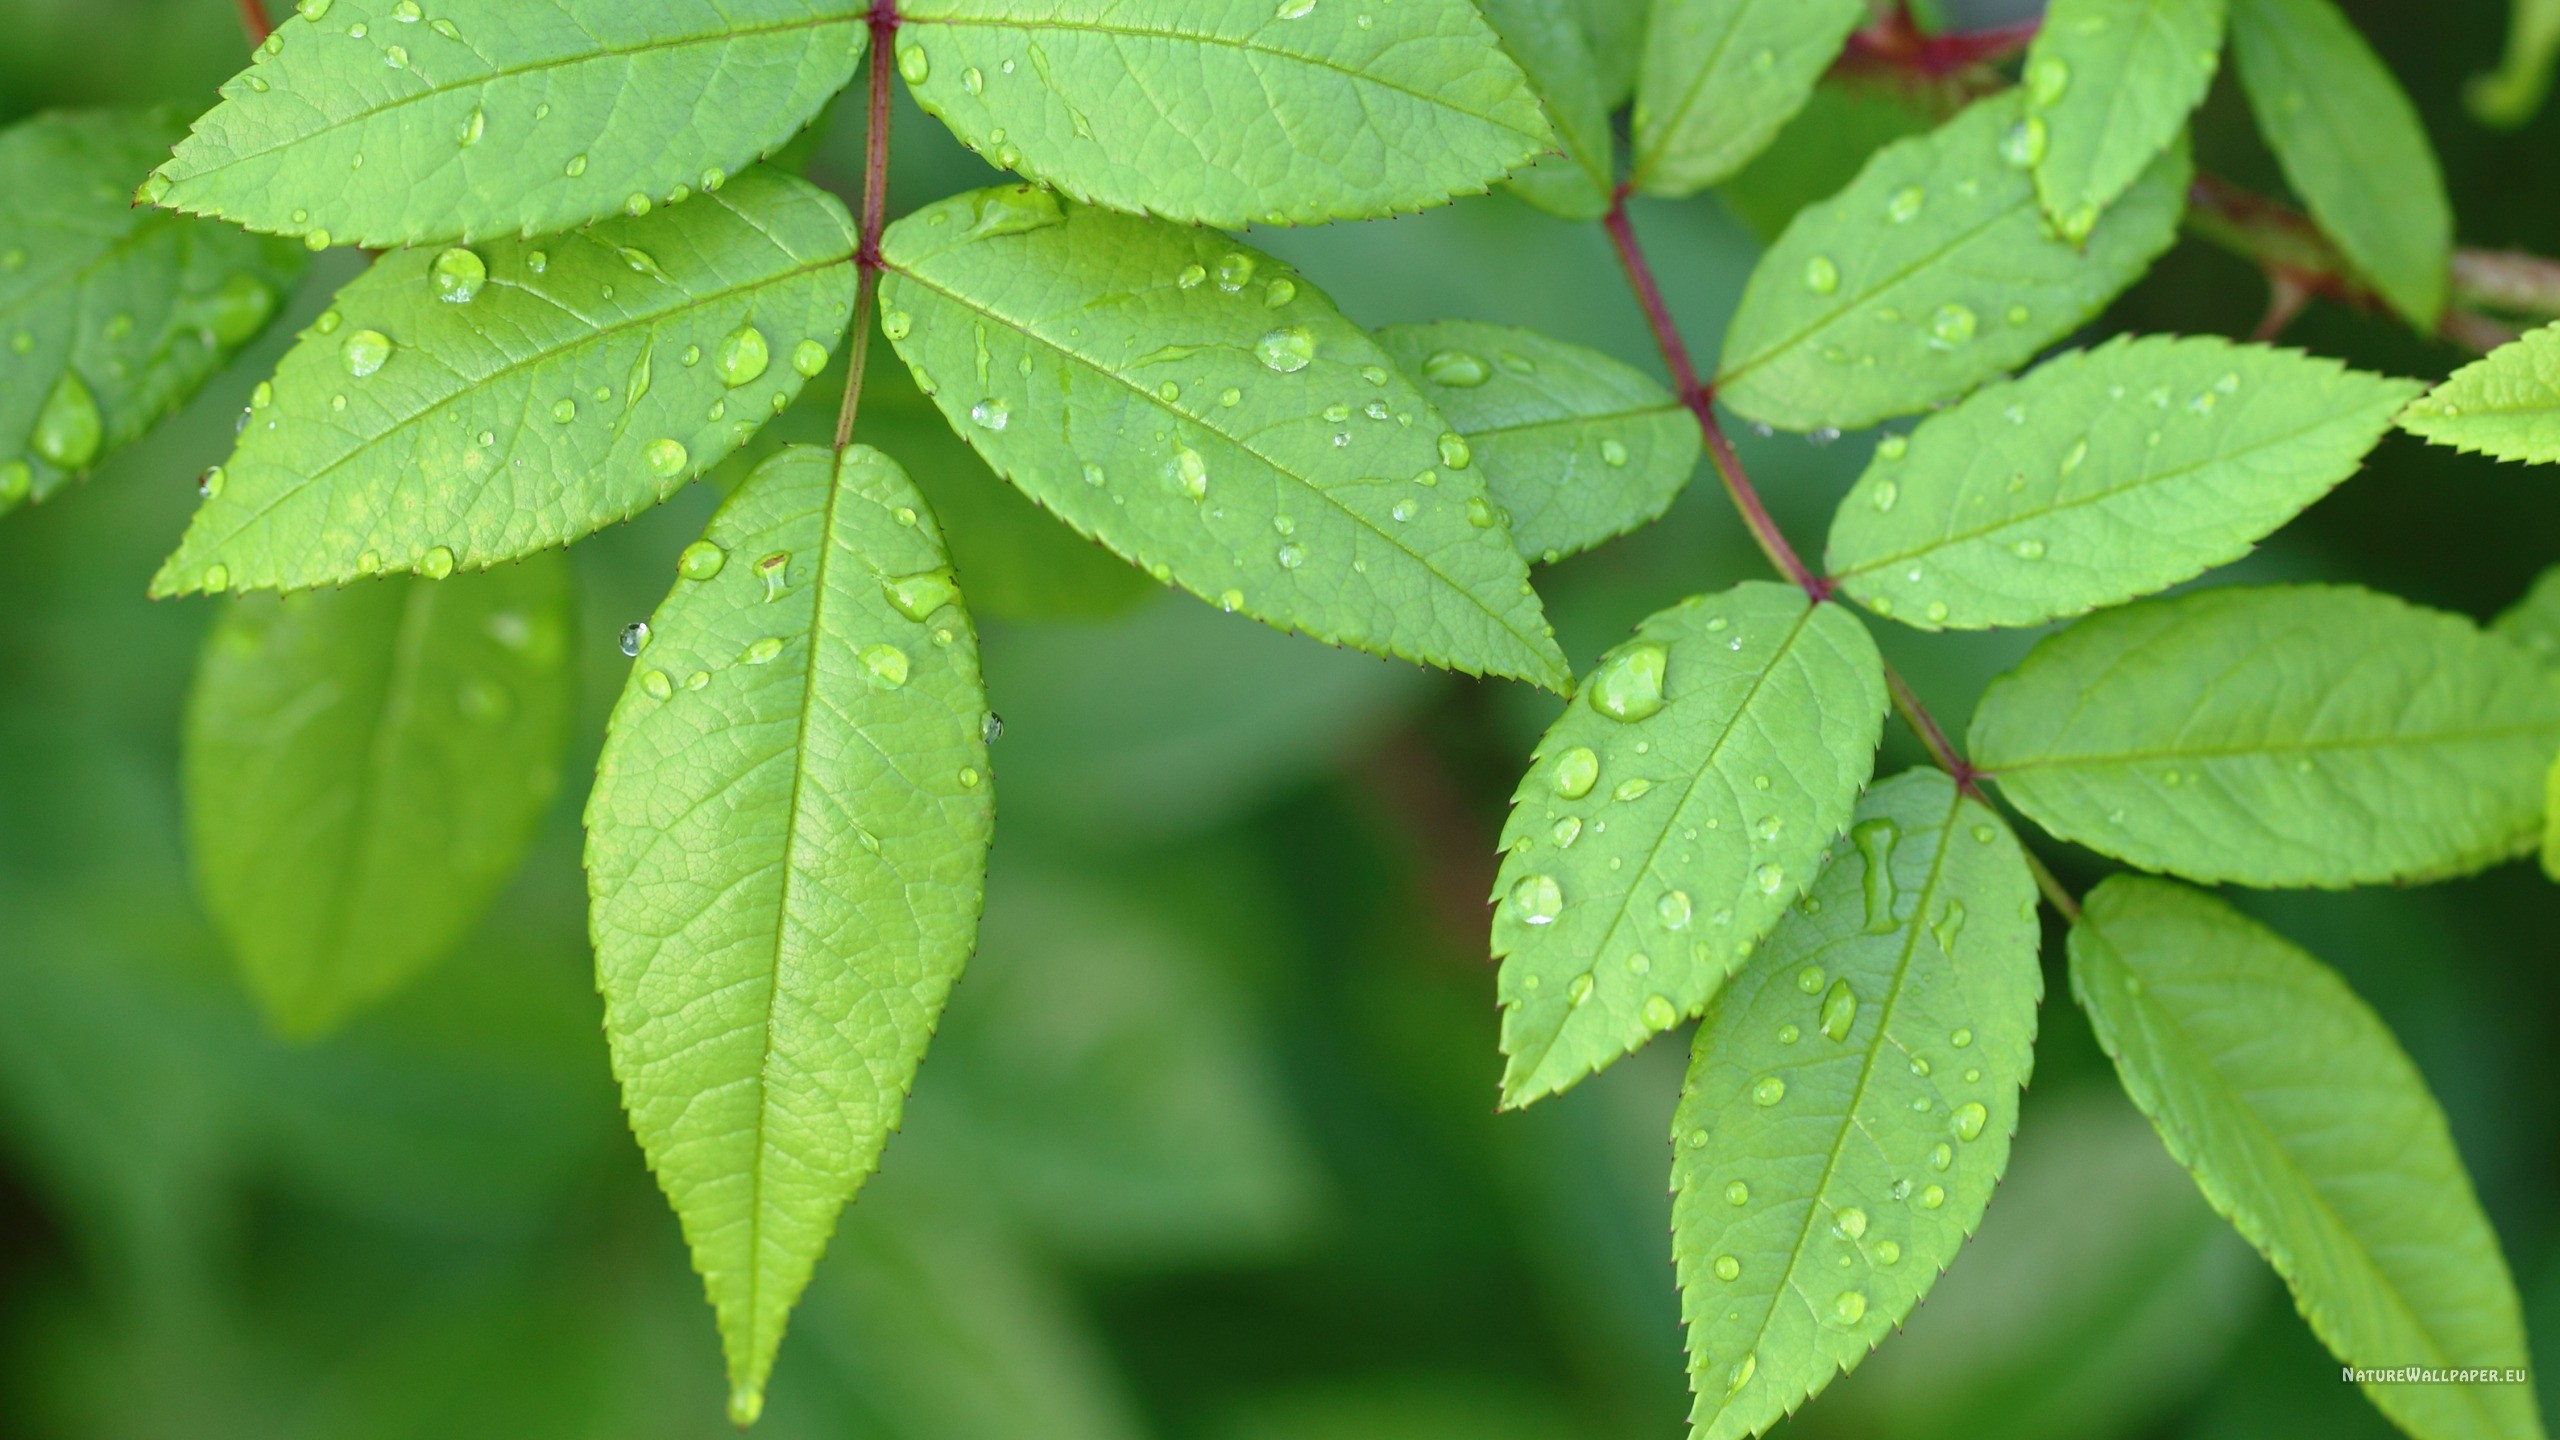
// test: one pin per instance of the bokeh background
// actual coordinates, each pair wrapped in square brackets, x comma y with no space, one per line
[1207,1147]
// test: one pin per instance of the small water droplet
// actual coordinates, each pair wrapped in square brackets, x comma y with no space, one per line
[1537,899]
[1737,1193]
[1453,450]
[365,352]
[1839,1011]
[1728,1268]
[1851,1223]
[701,560]
[809,357]
[576,167]
[1613,453]
[2023,144]
[1906,204]
[2047,77]
[1673,910]
[1742,1373]
[1769,878]
[1659,1013]
[1821,276]
[1888,1252]
[914,65]
[1575,772]
[666,458]
[1291,556]
[887,664]
[1235,271]
[1968,1119]
[69,431]
[1851,1307]
[1769,1090]
[1933,1197]
[1950,924]
[1952,327]
[1456,369]
[634,638]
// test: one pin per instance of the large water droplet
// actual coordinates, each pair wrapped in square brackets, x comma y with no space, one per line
[365,352]
[990,414]
[913,65]
[1769,878]
[1875,841]
[1851,1307]
[1728,1268]
[1742,1373]
[437,563]
[1851,1222]
[1821,276]
[887,664]
[1287,350]
[2047,77]
[1628,684]
[701,560]
[1537,899]
[1453,450]
[1235,271]
[1575,772]
[1952,327]
[1456,369]
[635,638]
[809,357]
[918,596]
[68,429]
[742,357]
[458,274]
[1190,474]
[1839,1010]
[666,458]
[1737,1193]
[1673,910]
[1967,1120]
[1768,1090]
[1659,1013]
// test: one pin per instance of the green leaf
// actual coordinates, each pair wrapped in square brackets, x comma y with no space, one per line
[1228,112]
[1554,51]
[2103,475]
[1931,273]
[1719,77]
[1208,414]
[2534,621]
[2297,735]
[587,378]
[361,126]
[2551,822]
[1615,31]
[2505,404]
[1574,446]
[110,317]
[1670,816]
[2351,145]
[1849,1103]
[2307,1127]
[2514,93]
[2112,83]
[785,851]
[1845,123]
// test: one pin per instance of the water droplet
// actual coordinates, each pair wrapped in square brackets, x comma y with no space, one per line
[1968,1119]
[2024,143]
[1851,1307]
[1190,475]
[1769,878]
[713,179]
[809,357]
[1950,924]
[1769,1090]
[1634,789]
[742,358]
[2047,77]
[1851,1223]
[1579,990]
[913,64]
[896,324]
[761,652]
[1235,271]
[701,560]
[969,777]
[1673,910]
[1568,830]
[1933,1197]
[1789,1034]
[1456,369]
[1737,1193]
[1742,1373]
[1575,772]
[1291,556]
[1728,1268]
[217,578]
[1453,450]
[1279,293]
[635,638]
[1613,453]
[313,9]
[1888,1252]
[1659,1013]
[576,167]
[887,664]
[365,352]
[565,411]
[69,430]
[666,458]
[1628,685]
[208,485]
[775,571]
[1287,350]
[1952,327]
[1537,899]
[1906,204]
[238,309]
[1839,1011]
[918,596]
[537,262]
[1941,1155]
[316,240]
[1821,276]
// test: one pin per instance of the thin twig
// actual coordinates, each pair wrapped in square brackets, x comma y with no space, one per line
[875,209]
[253,18]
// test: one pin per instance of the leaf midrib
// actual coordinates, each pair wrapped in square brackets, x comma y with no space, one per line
[2136,757]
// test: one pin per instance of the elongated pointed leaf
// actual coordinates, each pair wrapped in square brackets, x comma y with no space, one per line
[1553,49]
[2505,404]
[1228,112]
[364,769]
[2351,144]
[1849,1104]
[2307,1127]
[785,851]
[1208,414]
[369,122]
[2300,735]
[587,378]
[2103,475]
[1718,79]
[1933,272]
[1575,447]
[2110,84]
[110,317]
[1679,805]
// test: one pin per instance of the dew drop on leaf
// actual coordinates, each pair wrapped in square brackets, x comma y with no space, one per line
[458,274]
[1537,899]
[634,638]
[1628,685]
[701,560]
[365,352]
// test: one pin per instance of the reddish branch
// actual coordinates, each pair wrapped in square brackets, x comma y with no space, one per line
[875,209]
[1897,44]
[253,18]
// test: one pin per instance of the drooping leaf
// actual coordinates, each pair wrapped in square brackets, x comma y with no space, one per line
[359,125]
[1209,415]
[2505,404]
[2351,144]
[1681,803]
[1933,272]
[110,317]
[2514,92]
[2534,621]
[2307,1127]
[785,852]
[1719,77]
[457,408]
[1850,1101]
[1554,51]
[2101,476]
[1228,112]
[1575,447]
[2111,83]
[2295,735]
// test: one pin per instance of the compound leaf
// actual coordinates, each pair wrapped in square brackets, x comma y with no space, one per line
[111,316]
[2306,1126]
[2298,735]
[2112,83]
[1552,48]
[2505,404]
[364,768]
[2351,145]
[1228,112]
[1718,79]
[1931,273]
[1849,1103]
[1209,415]
[359,125]
[459,408]
[2103,475]
[786,851]
[1680,804]
[1575,447]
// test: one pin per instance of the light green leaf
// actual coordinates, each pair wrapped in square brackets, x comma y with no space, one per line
[2112,83]
[2307,1127]
[1575,447]
[1849,1103]
[1615,31]
[2351,144]
[361,126]
[2534,621]
[110,317]
[1933,272]
[1228,112]
[1681,803]
[1720,76]
[1554,51]
[2103,475]
[1845,123]
[2297,735]
[785,851]
[2551,822]
[588,377]
[2505,404]
[1208,414]
[2514,93]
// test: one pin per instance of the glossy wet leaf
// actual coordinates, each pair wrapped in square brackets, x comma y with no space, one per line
[586,378]
[364,769]
[1933,272]
[1228,112]
[1576,447]
[1849,1103]
[1205,412]
[2101,476]
[2351,144]
[2297,735]
[1845,123]
[1615,29]
[2111,83]
[2306,1126]
[2514,93]
[1681,803]
[1719,77]
[110,317]
[365,126]
[1553,48]
[785,853]
[2505,404]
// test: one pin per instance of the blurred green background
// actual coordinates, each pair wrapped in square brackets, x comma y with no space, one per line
[1207,1147]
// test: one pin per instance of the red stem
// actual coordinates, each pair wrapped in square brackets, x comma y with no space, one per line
[253,18]
[875,209]
[1896,42]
